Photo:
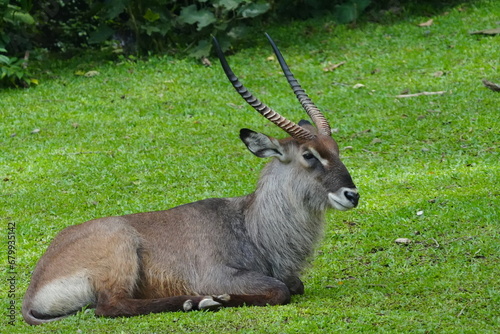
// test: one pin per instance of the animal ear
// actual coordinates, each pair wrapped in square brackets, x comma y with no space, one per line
[262,145]
[308,126]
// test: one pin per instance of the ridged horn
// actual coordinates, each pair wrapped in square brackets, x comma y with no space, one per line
[290,127]
[311,109]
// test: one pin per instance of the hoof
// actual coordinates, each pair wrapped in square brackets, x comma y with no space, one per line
[188,305]
[222,298]
[208,303]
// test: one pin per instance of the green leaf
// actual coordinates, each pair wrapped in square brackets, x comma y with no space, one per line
[151,16]
[3,50]
[192,15]
[351,10]
[229,4]
[115,8]
[189,14]
[238,32]
[254,9]
[221,26]
[4,60]
[150,29]
[4,39]
[16,16]
[102,33]
[202,49]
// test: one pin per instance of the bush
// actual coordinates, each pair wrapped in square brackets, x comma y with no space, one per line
[140,26]
[15,23]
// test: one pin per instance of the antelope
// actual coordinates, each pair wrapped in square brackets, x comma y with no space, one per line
[209,254]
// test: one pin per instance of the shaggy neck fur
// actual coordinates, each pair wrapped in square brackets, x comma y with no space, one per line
[286,217]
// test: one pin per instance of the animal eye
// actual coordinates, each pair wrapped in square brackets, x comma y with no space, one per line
[308,156]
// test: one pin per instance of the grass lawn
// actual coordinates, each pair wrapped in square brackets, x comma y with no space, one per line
[153,134]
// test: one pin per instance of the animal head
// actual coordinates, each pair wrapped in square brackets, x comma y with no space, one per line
[310,150]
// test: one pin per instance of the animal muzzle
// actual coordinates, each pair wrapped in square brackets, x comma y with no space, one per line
[344,198]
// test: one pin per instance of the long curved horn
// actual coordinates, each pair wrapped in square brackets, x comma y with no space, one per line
[311,109]
[290,127]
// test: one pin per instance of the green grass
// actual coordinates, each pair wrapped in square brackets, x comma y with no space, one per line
[153,134]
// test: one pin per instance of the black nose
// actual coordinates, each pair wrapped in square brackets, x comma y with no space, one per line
[352,197]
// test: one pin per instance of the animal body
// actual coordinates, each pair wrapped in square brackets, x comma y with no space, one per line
[220,252]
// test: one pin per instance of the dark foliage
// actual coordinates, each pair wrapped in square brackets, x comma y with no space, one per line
[141,26]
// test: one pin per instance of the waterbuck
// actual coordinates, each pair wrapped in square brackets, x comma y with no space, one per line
[219,252]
